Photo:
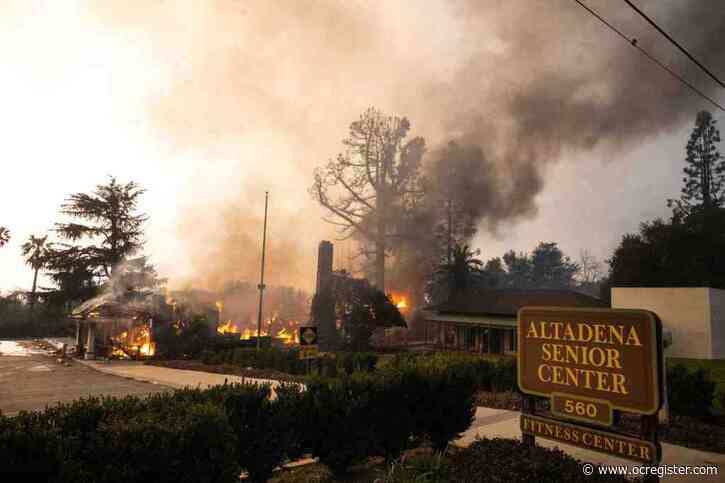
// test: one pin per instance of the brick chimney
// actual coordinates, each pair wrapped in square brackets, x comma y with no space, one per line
[325,317]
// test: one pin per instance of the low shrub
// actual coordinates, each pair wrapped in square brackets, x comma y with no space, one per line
[260,428]
[341,413]
[690,393]
[442,406]
[495,460]
[208,435]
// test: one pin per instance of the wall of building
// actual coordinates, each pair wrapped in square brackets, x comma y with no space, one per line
[717,321]
[686,311]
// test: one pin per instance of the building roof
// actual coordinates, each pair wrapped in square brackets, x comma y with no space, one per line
[507,302]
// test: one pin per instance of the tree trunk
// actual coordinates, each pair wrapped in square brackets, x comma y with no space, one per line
[380,206]
[35,285]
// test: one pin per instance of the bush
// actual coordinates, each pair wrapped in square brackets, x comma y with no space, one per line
[260,427]
[492,460]
[209,435]
[341,415]
[689,393]
[443,406]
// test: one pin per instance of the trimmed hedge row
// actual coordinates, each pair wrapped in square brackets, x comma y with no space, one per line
[210,435]
[288,361]
[495,375]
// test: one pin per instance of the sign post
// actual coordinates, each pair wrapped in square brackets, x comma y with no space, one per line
[308,345]
[590,363]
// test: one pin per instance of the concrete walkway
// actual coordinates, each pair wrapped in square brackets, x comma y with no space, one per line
[177,378]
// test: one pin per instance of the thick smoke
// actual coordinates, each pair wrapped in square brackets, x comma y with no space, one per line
[275,85]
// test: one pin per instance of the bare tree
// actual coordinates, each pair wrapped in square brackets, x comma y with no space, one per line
[372,184]
[590,269]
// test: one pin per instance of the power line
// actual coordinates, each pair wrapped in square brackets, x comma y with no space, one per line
[650,57]
[682,49]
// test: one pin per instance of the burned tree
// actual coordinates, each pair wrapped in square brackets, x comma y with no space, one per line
[372,183]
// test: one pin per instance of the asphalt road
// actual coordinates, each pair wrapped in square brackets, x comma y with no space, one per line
[35,381]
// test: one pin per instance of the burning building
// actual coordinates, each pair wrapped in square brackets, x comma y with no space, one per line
[124,328]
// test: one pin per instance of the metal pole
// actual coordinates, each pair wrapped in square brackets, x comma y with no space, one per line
[261,277]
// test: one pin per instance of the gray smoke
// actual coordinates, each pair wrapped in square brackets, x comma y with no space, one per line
[528,82]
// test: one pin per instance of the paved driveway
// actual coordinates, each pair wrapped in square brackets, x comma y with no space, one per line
[34,381]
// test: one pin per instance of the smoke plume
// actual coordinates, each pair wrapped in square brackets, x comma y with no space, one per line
[274,85]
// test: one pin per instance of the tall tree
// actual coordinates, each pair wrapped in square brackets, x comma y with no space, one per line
[372,183]
[453,195]
[4,235]
[551,268]
[463,271]
[704,170]
[111,224]
[36,254]
[518,269]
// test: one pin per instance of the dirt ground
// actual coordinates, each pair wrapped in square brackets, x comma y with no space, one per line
[35,381]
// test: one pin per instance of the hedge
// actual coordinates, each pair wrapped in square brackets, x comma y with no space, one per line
[288,361]
[213,434]
[690,393]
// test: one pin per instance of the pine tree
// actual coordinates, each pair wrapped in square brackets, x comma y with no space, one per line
[111,224]
[705,170]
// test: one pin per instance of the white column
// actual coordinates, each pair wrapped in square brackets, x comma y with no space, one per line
[91,342]
[79,340]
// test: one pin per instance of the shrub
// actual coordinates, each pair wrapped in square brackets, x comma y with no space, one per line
[444,407]
[342,408]
[490,460]
[261,429]
[26,452]
[689,393]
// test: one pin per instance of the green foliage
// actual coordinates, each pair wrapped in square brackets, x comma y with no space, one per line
[705,169]
[210,435]
[489,460]
[182,339]
[341,413]
[425,468]
[458,271]
[19,319]
[690,393]
[360,308]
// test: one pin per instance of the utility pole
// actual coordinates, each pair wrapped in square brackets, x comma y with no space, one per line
[261,286]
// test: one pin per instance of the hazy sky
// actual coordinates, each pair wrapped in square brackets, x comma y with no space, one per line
[209,104]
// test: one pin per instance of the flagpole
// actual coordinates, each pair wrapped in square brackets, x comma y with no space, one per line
[261,286]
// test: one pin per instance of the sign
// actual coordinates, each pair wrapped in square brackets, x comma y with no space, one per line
[308,335]
[308,343]
[590,362]
[592,439]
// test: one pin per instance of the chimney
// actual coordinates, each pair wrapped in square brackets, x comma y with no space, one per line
[325,313]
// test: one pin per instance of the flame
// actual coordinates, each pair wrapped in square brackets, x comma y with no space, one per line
[134,340]
[287,337]
[400,300]
[228,327]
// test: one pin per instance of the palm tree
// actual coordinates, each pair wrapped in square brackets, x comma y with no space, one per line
[462,272]
[4,235]
[35,251]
